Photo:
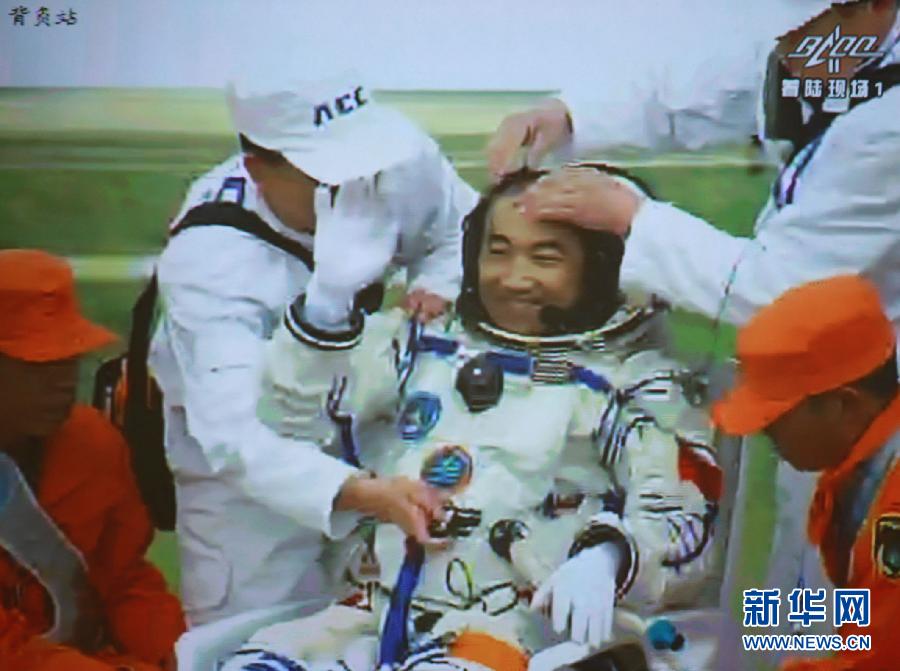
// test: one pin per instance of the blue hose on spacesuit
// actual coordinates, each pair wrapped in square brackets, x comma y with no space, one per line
[446,469]
[394,637]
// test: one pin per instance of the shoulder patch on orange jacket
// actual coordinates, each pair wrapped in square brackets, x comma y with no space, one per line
[886,546]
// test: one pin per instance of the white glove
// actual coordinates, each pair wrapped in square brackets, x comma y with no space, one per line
[583,589]
[355,241]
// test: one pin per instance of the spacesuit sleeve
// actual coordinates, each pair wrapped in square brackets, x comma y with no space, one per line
[842,220]
[661,509]
[440,270]
[216,328]
[674,97]
[306,388]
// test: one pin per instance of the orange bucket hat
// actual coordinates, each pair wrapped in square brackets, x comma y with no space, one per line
[39,315]
[813,338]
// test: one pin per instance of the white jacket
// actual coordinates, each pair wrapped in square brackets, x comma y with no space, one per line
[223,293]
[844,218]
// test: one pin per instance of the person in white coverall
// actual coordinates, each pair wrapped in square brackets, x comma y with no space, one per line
[835,206]
[576,469]
[252,506]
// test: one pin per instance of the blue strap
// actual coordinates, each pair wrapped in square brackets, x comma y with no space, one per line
[512,363]
[344,421]
[591,379]
[437,345]
[784,193]
[348,444]
[394,644]
[515,364]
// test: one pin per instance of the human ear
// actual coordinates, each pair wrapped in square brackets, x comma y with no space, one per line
[255,166]
[848,411]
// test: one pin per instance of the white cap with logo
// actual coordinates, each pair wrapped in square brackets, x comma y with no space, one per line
[331,129]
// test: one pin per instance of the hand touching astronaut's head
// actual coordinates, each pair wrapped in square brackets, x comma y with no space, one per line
[535,277]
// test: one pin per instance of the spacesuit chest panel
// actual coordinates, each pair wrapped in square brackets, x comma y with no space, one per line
[514,447]
[511,456]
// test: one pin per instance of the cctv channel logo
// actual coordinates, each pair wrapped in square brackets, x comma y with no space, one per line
[817,49]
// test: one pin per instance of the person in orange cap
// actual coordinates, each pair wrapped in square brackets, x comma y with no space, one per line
[76,593]
[819,376]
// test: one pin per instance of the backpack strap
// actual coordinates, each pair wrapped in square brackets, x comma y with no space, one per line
[142,421]
[233,215]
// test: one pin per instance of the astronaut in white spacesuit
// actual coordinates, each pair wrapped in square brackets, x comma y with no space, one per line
[575,462]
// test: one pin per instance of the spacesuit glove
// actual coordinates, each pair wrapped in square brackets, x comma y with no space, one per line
[354,243]
[582,593]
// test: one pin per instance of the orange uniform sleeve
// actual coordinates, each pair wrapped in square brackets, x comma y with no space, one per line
[143,617]
[876,559]
[884,628]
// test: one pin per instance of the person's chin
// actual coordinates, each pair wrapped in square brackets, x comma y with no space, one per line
[514,322]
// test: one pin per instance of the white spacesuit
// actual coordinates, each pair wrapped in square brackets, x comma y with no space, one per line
[546,446]
[557,454]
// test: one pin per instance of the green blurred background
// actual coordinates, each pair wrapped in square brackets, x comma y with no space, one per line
[95,175]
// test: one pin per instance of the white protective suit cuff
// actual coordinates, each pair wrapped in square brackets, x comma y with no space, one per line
[342,523]
[668,253]
[601,124]
[296,480]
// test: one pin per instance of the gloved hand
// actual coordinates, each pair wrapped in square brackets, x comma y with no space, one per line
[583,590]
[540,130]
[355,240]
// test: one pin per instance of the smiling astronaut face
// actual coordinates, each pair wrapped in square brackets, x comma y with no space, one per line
[525,266]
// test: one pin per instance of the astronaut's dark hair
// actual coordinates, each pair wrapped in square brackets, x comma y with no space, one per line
[599,296]
[269,156]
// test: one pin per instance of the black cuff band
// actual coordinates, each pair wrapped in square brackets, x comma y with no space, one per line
[597,533]
[302,330]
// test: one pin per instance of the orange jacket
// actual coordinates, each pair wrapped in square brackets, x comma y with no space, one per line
[873,562]
[86,486]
